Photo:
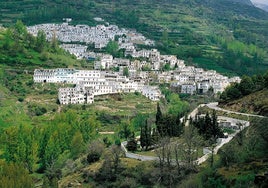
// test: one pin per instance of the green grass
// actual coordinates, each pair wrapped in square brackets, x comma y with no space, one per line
[13,114]
[146,153]
[124,105]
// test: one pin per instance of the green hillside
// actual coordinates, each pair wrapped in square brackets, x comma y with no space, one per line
[24,102]
[44,144]
[230,35]
[249,96]
[255,103]
[31,120]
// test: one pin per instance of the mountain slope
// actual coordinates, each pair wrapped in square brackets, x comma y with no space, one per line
[255,103]
[228,35]
[246,2]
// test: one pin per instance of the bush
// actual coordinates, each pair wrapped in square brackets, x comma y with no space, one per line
[95,150]
[131,145]
[107,142]
[93,157]
[34,109]
[40,111]
[117,142]
[20,99]
[30,83]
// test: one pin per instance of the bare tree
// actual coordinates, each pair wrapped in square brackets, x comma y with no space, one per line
[111,165]
[169,163]
[190,147]
[164,157]
[177,149]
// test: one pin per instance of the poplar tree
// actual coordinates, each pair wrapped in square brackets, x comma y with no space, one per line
[77,144]
[40,41]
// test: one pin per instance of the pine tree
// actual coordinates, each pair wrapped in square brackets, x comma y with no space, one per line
[179,124]
[155,136]
[52,150]
[216,131]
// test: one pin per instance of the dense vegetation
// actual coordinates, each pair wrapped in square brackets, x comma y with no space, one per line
[227,36]
[208,127]
[247,86]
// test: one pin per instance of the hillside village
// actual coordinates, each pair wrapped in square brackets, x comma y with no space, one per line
[99,105]
[99,35]
[146,66]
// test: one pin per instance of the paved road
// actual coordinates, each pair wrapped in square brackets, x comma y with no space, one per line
[224,140]
[214,106]
[192,114]
[136,156]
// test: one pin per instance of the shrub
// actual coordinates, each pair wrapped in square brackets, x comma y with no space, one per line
[131,145]
[95,150]
[34,109]
[106,141]
[93,157]
[20,99]
[117,142]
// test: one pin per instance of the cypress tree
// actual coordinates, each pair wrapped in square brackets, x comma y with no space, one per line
[158,116]
[145,138]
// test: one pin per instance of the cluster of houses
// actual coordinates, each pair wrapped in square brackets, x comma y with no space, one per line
[186,79]
[90,83]
[102,80]
[115,75]
[99,35]
[78,50]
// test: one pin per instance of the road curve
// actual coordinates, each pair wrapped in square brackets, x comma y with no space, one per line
[136,156]
[192,114]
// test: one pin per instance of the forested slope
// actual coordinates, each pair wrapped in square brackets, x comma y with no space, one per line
[248,96]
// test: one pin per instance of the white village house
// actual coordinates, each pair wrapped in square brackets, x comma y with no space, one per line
[187,79]
[90,83]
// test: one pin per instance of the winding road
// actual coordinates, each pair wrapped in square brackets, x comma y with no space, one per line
[202,159]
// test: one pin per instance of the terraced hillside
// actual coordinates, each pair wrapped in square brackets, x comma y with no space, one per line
[228,36]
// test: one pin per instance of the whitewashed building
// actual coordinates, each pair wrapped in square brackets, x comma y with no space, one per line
[189,88]
[152,92]
[76,95]
[76,49]
[60,75]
